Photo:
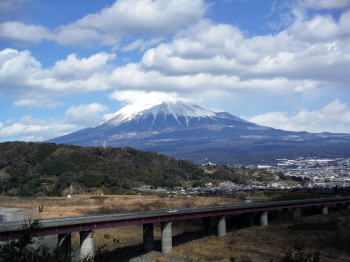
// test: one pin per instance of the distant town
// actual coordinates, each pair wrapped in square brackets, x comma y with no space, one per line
[313,172]
[289,174]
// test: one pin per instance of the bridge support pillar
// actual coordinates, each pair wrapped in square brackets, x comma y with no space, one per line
[87,244]
[264,221]
[297,213]
[221,226]
[167,241]
[206,226]
[325,210]
[148,242]
[64,246]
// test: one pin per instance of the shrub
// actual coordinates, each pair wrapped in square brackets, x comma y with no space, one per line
[22,250]
[299,255]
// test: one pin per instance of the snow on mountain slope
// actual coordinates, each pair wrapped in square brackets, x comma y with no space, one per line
[170,107]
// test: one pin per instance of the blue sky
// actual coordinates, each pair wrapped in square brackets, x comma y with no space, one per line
[67,65]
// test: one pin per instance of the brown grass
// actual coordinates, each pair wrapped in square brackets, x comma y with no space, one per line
[80,205]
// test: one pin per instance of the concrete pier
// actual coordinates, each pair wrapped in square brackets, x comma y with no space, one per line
[325,210]
[296,213]
[64,246]
[148,241]
[221,226]
[87,244]
[264,221]
[206,226]
[167,241]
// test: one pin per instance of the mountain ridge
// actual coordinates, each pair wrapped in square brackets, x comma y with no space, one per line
[47,169]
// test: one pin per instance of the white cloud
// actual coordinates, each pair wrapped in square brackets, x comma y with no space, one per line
[325,4]
[85,115]
[125,19]
[37,103]
[23,77]
[132,96]
[141,44]
[321,27]
[334,117]
[132,77]
[205,57]
[216,49]
[23,33]
[81,68]
[31,129]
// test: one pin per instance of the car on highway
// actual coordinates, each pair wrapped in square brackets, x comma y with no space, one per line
[172,210]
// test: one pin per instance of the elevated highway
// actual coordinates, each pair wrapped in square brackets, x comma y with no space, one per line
[63,227]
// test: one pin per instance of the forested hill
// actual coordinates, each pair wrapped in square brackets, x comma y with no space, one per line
[50,169]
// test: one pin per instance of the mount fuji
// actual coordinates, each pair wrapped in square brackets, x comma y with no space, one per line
[186,130]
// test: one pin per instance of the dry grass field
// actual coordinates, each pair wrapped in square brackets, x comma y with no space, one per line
[80,205]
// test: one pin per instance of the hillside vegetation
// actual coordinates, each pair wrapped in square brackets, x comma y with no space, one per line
[41,169]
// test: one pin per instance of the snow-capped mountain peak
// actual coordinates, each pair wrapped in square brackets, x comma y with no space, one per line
[167,107]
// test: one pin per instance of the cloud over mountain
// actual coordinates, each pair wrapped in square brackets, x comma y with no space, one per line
[334,117]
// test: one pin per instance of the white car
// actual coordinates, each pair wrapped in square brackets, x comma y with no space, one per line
[172,210]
